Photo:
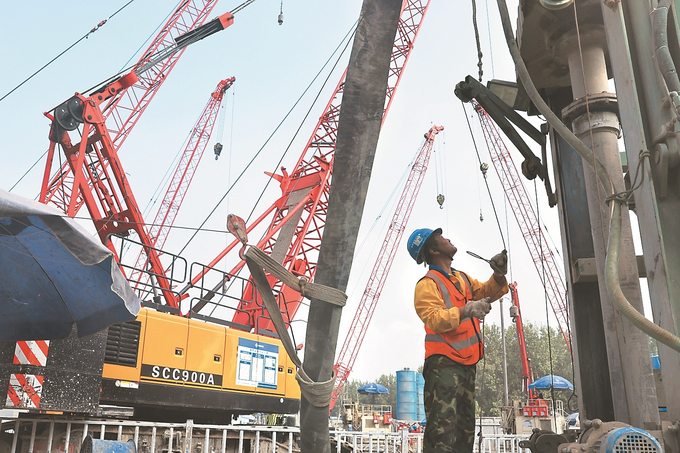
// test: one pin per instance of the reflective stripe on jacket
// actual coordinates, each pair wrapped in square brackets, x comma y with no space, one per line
[462,344]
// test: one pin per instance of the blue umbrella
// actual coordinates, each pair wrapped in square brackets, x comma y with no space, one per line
[53,274]
[551,380]
[372,389]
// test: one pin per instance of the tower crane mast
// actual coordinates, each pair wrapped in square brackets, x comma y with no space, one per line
[529,224]
[383,264]
[293,237]
[183,175]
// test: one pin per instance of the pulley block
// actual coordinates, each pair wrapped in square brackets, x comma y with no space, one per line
[69,114]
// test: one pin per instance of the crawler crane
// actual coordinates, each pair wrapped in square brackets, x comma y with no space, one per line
[172,367]
[295,230]
[182,176]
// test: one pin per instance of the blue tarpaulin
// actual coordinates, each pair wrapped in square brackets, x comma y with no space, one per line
[53,273]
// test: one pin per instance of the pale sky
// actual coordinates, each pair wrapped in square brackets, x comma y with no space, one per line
[273,64]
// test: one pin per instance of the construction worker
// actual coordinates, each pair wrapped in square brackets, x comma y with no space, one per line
[451,304]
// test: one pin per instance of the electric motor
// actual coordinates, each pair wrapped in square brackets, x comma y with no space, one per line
[612,437]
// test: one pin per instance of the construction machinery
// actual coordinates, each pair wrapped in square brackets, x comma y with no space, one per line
[297,218]
[181,179]
[156,350]
[173,363]
[483,101]
[532,411]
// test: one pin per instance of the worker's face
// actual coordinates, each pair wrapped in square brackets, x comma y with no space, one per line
[445,245]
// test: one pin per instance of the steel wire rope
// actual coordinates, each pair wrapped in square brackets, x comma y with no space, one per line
[166,176]
[94,29]
[231,139]
[571,348]
[500,230]
[507,233]
[229,156]
[486,182]
[388,203]
[547,311]
[479,45]
[437,170]
[177,227]
[442,163]
[153,33]
[267,141]
[612,283]
[29,170]
[446,190]
[290,143]
[488,29]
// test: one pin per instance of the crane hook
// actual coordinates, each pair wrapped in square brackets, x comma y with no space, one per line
[281,14]
[440,200]
[218,150]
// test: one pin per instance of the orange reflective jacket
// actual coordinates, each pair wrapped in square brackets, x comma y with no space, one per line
[464,343]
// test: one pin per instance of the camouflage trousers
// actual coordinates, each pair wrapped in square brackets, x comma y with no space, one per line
[449,396]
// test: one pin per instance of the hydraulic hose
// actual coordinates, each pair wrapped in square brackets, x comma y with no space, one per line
[614,289]
[661,52]
[611,271]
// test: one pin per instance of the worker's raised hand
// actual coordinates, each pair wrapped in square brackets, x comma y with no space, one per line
[476,309]
[499,264]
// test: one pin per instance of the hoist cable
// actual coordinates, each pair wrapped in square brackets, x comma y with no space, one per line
[231,140]
[481,389]
[150,37]
[479,45]
[388,203]
[486,182]
[264,144]
[488,29]
[547,312]
[94,29]
[507,232]
[347,37]
[28,171]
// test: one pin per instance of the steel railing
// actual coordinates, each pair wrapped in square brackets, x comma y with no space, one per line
[55,435]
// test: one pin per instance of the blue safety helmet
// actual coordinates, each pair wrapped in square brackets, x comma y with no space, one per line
[417,240]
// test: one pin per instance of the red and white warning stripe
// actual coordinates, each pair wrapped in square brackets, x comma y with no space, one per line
[31,352]
[25,390]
